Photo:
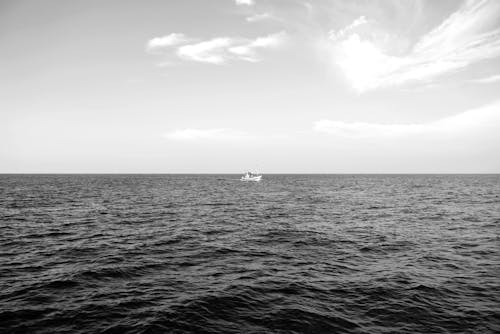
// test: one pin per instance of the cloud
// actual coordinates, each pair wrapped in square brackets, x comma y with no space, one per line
[361,129]
[209,134]
[477,121]
[248,51]
[217,50]
[469,35]
[212,51]
[173,39]
[487,80]
[245,2]
[259,17]
[336,35]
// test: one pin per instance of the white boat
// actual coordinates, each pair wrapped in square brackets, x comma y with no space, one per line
[251,177]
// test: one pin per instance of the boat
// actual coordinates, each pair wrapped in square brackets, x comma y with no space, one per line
[249,176]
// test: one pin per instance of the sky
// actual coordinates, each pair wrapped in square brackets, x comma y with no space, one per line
[226,86]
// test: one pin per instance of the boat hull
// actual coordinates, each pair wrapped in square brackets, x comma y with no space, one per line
[252,178]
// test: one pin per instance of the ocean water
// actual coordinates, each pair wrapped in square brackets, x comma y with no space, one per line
[211,254]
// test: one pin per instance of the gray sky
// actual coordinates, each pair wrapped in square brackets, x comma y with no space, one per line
[217,86]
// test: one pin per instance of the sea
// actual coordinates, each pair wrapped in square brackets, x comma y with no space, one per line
[212,254]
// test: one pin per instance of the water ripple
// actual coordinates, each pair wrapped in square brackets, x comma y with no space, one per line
[209,254]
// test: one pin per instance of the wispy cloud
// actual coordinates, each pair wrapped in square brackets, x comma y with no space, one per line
[245,2]
[361,129]
[487,80]
[173,39]
[202,134]
[217,50]
[248,51]
[213,51]
[469,35]
[259,17]
[336,35]
[473,120]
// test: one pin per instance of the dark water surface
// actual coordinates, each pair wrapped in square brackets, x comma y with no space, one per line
[211,254]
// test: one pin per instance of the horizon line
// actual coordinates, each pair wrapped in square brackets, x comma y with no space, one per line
[338,173]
